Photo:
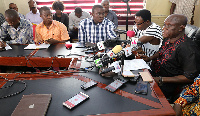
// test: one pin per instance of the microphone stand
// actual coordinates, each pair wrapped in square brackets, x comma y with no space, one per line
[128,11]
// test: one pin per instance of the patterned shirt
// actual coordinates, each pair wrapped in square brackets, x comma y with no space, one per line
[112,17]
[22,35]
[74,20]
[178,58]
[153,30]
[57,31]
[21,16]
[91,32]
[2,19]
[185,7]
[190,100]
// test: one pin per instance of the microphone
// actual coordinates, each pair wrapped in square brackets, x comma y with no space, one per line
[114,66]
[107,70]
[116,52]
[130,33]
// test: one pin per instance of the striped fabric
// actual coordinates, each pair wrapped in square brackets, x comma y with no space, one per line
[153,30]
[91,32]
[118,6]
[185,7]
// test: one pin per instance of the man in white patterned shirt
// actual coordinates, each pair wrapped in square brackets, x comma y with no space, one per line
[185,7]
[96,29]
[19,30]
[147,32]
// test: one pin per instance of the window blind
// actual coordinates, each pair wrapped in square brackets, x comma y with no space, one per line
[119,6]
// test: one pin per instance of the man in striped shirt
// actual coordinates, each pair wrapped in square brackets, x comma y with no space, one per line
[96,29]
[147,32]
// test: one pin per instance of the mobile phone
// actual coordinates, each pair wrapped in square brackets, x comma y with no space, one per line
[88,84]
[75,100]
[115,85]
[141,88]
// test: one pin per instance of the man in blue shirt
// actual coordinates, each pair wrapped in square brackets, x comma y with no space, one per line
[19,30]
[96,29]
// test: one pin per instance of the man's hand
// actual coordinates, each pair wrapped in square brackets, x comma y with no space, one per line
[75,28]
[140,51]
[144,57]
[39,42]
[51,41]
[2,44]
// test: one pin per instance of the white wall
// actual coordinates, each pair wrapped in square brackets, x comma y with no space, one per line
[21,4]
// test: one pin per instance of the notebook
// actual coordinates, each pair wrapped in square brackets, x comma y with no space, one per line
[32,105]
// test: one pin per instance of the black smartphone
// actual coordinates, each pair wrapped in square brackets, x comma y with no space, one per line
[141,88]
[88,84]
[114,85]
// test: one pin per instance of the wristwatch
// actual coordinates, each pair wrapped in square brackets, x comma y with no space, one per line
[160,81]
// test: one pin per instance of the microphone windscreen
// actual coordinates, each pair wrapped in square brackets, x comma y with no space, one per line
[130,33]
[68,46]
[117,49]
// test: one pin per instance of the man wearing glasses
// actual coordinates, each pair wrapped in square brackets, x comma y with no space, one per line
[19,30]
[33,16]
[147,32]
[96,29]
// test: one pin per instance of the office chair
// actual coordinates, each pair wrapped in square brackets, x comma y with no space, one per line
[190,31]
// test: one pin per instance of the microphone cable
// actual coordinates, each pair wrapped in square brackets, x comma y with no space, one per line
[6,87]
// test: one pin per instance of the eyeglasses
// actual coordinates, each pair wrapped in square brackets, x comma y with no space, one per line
[139,23]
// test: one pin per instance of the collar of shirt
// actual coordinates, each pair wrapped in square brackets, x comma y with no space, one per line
[36,12]
[53,24]
[92,21]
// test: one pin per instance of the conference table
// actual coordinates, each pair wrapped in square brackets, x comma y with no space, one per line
[64,84]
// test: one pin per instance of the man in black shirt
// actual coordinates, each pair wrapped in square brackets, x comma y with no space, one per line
[176,62]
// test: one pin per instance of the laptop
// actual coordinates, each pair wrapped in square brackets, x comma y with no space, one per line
[32,105]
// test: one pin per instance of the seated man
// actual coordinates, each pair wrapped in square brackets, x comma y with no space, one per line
[188,104]
[96,29]
[177,61]
[14,6]
[74,19]
[147,32]
[109,14]
[50,31]
[33,16]
[19,30]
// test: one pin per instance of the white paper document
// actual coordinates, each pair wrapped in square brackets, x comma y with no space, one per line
[135,64]
[7,47]
[41,46]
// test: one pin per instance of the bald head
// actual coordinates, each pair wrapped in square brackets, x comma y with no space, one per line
[178,19]
[174,26]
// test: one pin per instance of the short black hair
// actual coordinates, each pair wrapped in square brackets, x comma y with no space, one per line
[10,4]
[58,5]
[10,13]
[78,10]
[96,6]
[145,14]
[44,8]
